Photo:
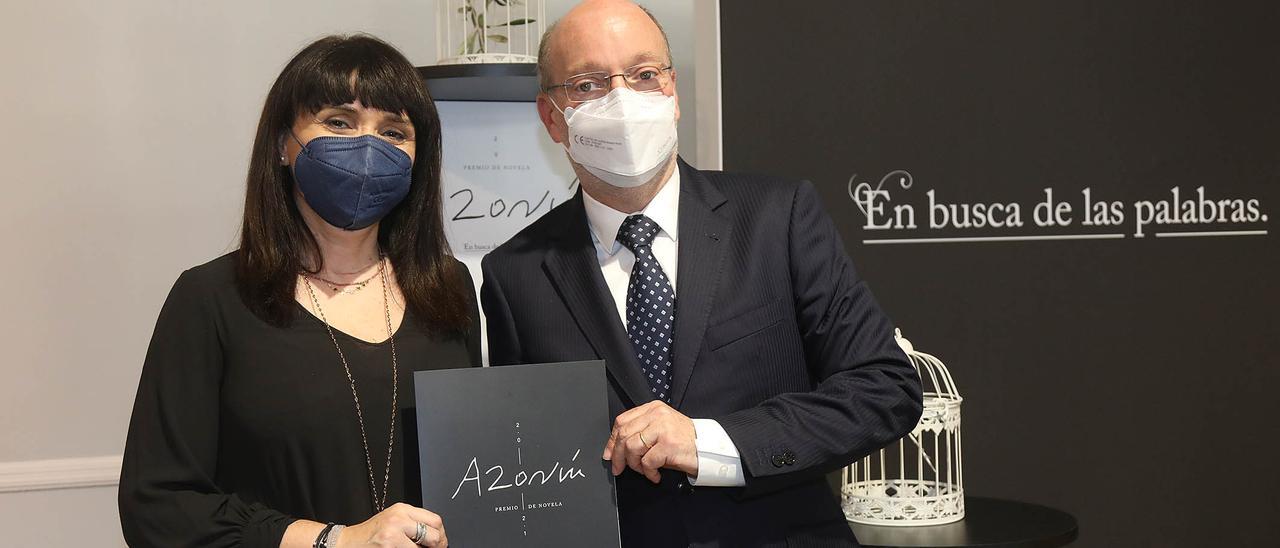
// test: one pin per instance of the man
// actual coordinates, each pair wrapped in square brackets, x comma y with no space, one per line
[745,358]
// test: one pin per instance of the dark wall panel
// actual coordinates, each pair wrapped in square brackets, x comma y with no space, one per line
[1128,380]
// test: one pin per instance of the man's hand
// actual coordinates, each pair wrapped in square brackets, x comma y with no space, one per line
[651,437]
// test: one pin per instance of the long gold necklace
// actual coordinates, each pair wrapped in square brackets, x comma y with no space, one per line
[379,503]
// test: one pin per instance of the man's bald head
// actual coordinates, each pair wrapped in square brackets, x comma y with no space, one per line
[584,18]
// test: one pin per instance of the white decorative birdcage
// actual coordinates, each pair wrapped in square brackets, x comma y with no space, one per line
[489,31]
[919,479]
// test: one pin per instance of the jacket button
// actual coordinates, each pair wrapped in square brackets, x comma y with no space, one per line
[779,461]
[788,457]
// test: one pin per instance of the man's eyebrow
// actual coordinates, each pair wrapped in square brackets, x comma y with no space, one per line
[639,59]
[583,68]
[648,57]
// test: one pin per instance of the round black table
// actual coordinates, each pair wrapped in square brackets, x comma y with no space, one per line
[987,522]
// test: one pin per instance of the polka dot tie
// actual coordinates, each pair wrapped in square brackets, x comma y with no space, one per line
[651,305]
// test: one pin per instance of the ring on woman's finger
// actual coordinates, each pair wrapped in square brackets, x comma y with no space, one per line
[421,534]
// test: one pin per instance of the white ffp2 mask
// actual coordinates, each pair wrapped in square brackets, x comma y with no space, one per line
[625,137]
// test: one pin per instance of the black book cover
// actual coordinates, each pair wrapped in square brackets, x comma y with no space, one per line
[511,455]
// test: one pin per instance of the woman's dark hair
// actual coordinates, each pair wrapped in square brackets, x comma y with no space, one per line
[275,243]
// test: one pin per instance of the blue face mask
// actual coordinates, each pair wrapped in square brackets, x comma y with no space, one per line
[352,182]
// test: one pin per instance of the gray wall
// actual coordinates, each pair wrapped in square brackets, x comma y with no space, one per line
[128,134]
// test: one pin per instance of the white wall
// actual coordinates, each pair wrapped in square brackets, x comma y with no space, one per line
[129,130]
[129,125]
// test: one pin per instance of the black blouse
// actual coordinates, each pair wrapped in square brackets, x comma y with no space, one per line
[240,427]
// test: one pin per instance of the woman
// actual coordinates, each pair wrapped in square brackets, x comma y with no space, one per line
[273,401]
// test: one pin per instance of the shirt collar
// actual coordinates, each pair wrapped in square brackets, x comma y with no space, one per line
[663,209]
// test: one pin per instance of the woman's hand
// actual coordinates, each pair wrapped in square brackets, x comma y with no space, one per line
[396,527]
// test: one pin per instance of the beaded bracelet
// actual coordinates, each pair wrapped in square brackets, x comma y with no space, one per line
[322,540]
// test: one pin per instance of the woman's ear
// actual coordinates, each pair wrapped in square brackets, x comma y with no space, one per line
[280,148]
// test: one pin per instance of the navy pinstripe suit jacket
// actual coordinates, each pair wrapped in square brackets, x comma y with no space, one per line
[776,338]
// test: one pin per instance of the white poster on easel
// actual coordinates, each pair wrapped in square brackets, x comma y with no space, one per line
[500,172]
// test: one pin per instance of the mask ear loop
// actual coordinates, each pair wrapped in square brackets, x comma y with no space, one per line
[555,104]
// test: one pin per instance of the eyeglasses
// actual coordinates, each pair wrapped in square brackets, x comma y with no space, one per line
[594,85]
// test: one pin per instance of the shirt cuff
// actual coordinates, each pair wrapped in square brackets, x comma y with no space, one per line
[719,463]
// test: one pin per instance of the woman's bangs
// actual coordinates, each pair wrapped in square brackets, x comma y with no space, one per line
[367,77]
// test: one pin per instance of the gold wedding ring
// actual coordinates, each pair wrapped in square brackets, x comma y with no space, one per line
[646,444]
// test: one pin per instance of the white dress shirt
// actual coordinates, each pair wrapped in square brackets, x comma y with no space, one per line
[719,463]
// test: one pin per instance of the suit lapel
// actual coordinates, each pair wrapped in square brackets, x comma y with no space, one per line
[704,237]
[571,263]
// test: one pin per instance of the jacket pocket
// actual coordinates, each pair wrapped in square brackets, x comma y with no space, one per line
[744,325]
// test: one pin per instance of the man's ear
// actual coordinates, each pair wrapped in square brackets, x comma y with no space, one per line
[552,119]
